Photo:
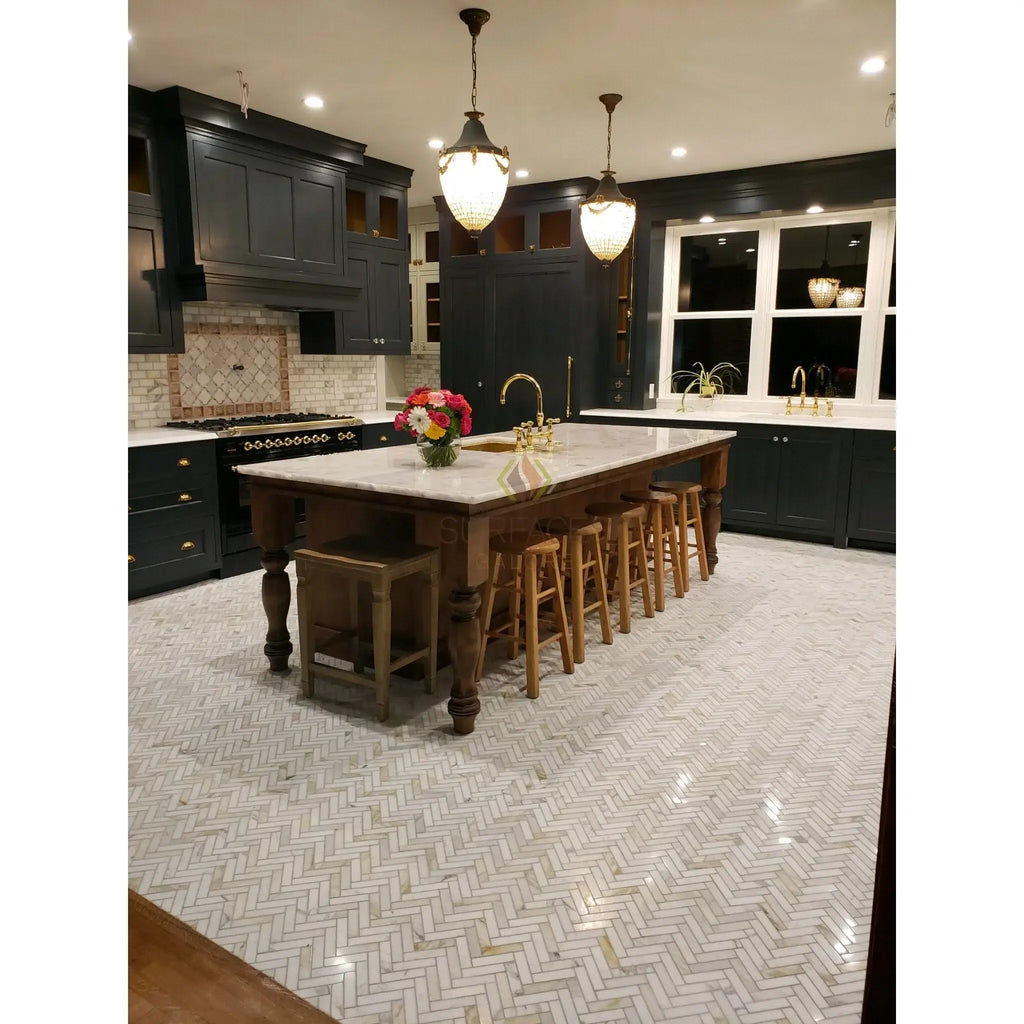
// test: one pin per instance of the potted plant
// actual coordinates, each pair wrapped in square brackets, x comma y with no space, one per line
[438,419]
[707,383]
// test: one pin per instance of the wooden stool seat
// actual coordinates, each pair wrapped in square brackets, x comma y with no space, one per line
[623,544]
[688,515]
[661,538]
[582,546]
[378,563]
[527,561]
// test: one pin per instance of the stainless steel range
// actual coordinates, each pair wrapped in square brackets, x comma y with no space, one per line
[243,440]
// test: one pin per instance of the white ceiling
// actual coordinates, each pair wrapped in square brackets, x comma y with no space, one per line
[739,83]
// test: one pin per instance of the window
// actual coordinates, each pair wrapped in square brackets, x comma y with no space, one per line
[739,294]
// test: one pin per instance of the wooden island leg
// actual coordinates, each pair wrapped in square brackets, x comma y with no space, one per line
[464,647]
[273,526]
[712,480]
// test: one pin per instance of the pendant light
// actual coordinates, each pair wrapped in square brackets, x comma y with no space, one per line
[607,217]
[474,172]
[822,289]
[851,296]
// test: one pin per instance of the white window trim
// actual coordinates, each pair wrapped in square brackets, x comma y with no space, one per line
[872,313]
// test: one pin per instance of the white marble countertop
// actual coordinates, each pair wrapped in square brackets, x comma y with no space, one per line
[479,477]
[376,415]
[166,435]
[721,411]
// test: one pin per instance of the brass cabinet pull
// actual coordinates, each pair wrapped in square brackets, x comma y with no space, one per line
[131,558]
[187,546]
[568,386]
[184,496]
[183,463]
[618,384]
[384,437]
[376,233]
[483,252]
[618,398]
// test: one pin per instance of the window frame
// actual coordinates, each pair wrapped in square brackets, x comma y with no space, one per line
[872,313]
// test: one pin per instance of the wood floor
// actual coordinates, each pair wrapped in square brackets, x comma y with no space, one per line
[177,976]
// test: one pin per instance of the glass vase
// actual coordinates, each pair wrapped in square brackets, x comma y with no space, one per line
[437,455]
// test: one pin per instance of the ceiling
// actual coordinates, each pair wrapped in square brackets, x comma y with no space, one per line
[738,83]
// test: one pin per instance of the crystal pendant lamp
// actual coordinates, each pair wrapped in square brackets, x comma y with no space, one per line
[823,288]
[607,217]
[474,172]
[849,297]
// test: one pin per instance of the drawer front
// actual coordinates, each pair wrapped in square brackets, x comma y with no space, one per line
[384,435]
[195,498]
[166,548]
[874,444]
[162,468]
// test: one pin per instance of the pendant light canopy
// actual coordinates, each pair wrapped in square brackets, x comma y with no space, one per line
[607,217]
[823,288]
[474,172]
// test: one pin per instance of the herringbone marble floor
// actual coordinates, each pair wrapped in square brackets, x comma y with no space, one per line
[682,831]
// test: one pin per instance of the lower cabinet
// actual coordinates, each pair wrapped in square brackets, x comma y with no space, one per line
[173,521]
[872,514]
[382,435]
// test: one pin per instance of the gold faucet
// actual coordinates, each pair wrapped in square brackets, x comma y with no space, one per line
[540,397]
[803,384]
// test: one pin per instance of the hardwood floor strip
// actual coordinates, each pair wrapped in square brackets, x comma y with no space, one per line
[178,976]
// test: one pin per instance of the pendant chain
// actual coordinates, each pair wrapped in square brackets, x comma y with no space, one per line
[473,101]
[609,164]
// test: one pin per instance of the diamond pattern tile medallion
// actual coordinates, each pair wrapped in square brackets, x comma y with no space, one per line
[684,830]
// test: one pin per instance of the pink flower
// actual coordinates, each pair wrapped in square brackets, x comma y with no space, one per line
[456,402]
[466,423]
[401,420]
[420,390]
[435,398]
[442,419]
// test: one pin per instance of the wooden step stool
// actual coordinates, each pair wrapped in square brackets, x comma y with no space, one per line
[660,535]
[379,563]
[622,524]
[581,547]
[688,514]
[526,561]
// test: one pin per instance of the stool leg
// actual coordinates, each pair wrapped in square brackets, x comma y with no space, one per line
[568,665]
[352,623]
[429,626]
[514,604]
[575,544]
[382,645]
[486,608]
[530,612]
[622,575]
[645,576]
[305,633]
[673,554]
[683,537]
[601,585]
[698,528]
[657,550]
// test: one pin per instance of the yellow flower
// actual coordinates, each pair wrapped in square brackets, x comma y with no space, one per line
[434,432]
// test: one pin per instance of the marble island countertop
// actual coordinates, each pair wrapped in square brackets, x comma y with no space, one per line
[721,411]
[481,477]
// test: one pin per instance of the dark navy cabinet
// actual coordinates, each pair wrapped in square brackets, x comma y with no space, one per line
[872,515]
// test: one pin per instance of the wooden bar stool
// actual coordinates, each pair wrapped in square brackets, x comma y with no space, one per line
[660,534]
[581,547]
[526,562]
[378,563]
[688,514]
[622,524]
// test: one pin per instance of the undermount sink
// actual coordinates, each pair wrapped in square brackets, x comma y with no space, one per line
[491,446]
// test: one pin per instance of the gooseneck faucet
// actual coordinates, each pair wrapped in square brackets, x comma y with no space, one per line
[540,397]
[803,384]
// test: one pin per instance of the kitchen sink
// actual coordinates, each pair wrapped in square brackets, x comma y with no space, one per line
[491,446]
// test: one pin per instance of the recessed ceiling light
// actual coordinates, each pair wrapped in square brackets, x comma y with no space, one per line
[815,209]
[313,101]
[679,151]
[522,173]
[872,65]
[435,143]
[707,219]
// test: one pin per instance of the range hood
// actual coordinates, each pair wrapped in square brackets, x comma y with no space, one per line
[198,283]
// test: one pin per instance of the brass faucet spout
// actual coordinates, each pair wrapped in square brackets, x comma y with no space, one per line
[529,380]
[803,383]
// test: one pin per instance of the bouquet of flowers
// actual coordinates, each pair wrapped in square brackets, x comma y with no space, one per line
[438,419]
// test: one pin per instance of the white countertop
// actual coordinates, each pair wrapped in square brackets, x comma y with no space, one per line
[480,477]
[376,415]
[725,412]
[166,435]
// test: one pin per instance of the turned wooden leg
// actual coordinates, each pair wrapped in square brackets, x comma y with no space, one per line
[277,595]
[657,550]
[464,650]
[579,646]
[711,517]
[382,647]
[530,613]
[305,631]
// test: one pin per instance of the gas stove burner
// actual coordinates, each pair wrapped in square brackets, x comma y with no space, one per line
[270,422]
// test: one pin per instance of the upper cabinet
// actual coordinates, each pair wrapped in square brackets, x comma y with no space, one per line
[376,213]
[424,279]
[154,312]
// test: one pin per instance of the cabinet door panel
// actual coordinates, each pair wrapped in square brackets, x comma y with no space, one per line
[466,361]
[751,493]
[270,214]
[808,481]
[390,298]
[355,324]
[221,205]
[149,316]
[316,218]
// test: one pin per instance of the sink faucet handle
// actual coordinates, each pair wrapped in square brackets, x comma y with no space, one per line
[527,428]
[518,431]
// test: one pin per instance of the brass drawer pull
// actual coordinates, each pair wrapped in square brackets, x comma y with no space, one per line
[183,463]
[376,233]
[187,546]
[618,398]
[184,496]
[384,437]
[618,383]
[131,558]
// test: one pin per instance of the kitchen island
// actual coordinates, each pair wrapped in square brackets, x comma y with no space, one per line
[390,493]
